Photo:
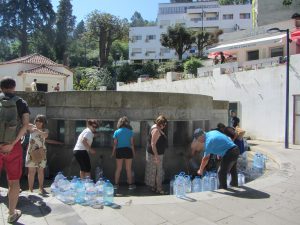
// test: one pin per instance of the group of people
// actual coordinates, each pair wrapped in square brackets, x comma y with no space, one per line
[13,126]
[34,88]
[123,150]
[220,142]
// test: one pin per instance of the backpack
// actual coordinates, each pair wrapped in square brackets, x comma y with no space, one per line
[8,118]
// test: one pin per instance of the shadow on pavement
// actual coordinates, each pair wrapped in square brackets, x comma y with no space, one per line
[246,192]
[31,205]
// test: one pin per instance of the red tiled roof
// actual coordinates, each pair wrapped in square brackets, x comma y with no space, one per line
[33,59]
[43,70]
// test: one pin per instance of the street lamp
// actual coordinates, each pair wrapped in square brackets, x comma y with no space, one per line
[286,140]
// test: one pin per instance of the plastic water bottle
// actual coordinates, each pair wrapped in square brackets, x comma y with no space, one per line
[79,192]
[98,173]
[241,179]
[99,190]
[205,183]
[108,193]
[179,185]
[213,180]
[188,184]
[197,184]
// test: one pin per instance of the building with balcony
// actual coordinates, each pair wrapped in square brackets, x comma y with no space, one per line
[208,15]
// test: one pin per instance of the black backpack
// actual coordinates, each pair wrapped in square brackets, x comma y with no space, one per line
[8,118]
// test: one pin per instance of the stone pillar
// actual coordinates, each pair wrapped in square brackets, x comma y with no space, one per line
[70,132]
[190,131]
[170,134]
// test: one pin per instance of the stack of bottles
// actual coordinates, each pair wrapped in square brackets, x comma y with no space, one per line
[82,191]
[183,184]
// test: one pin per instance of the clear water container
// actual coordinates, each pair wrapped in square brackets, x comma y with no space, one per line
[197,184]
[108,193]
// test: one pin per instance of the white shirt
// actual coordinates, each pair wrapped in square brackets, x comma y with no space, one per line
[88,135]
[33,86]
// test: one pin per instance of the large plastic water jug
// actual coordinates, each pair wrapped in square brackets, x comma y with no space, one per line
[206,183]
[241,179]
[108,193]
[228,180]
[172,187]
[188,184]
[179,185]
[197,184]
[213,180]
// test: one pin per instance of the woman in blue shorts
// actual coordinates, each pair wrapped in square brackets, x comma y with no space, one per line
[123,149]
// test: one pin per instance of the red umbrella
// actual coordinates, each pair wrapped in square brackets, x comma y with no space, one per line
[212,55]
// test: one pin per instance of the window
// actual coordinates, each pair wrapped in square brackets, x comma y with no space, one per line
[253,55]
[136,38]
[150,37]
[228,17]
[244,15]
[277,52]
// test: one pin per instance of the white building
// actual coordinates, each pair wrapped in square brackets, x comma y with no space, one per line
[48,73]
[202,14]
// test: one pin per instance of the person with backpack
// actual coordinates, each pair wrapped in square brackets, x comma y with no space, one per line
[14,121]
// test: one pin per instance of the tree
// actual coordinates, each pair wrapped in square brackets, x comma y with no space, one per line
[79,30]
[178,38]
[92,79]
[106,28]
[192,65]
[65,23]
[20,18]
[137,20]
[204,39]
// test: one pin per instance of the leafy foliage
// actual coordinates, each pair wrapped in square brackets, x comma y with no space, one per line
[18,19]
[65,23]
[191,66]
[178,38]
[170,66]
[125,73]
[204,39]
[106,29]
[92,79]
[287,2]
[138,21]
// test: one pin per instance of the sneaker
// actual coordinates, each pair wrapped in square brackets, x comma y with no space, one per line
[131,186]
[14,217]
[116,186]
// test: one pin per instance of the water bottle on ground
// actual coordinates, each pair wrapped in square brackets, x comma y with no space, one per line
[213,180]
[108,193]
[188,184]
[79,192]
[179,185]
[197,184]
[241,179]
[206,183]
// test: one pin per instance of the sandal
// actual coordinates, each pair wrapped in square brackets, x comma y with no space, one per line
[161,192]
[14,217]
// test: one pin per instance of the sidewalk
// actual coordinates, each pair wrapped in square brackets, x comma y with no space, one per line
[271,199]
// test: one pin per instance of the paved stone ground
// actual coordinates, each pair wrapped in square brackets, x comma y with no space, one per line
[271,199]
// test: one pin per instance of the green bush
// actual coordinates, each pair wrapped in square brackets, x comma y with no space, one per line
[170,66]
[192,65]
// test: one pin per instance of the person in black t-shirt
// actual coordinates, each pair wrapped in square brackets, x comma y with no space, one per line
[11,154]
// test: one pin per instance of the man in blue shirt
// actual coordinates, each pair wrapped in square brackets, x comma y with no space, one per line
[214,142]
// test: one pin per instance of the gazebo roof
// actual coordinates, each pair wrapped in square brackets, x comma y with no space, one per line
[33,59]
[42,70]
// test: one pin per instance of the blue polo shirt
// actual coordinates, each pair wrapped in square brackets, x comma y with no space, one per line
[217,143]
[123,135]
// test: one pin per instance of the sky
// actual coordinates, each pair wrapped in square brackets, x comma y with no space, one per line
[120,8]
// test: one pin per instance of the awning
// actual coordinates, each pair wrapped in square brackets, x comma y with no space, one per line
[248,43]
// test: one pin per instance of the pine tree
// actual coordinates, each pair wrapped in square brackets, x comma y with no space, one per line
[65,23]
